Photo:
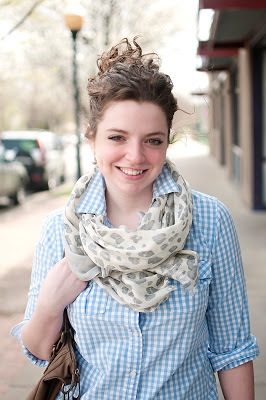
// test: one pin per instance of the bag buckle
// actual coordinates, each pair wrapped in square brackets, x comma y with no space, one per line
[75,384]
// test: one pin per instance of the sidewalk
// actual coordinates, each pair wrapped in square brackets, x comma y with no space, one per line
[203,174]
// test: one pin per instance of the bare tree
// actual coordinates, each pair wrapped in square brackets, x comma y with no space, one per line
[36,59]
[23,18]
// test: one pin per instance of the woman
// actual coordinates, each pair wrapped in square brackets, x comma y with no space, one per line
[152,278]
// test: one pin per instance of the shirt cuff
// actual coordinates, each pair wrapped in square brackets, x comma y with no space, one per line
[16,333]
[248,351]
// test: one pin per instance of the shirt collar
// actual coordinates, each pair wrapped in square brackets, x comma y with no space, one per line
[164,183]
[93,201]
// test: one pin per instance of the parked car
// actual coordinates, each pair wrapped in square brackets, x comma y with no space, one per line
[13,179]
[41,152]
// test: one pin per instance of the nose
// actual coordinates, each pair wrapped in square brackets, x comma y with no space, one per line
[135,153]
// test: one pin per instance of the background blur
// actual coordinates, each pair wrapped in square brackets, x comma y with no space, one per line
[219,77]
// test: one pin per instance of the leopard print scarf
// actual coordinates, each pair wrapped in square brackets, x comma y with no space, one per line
[134,266]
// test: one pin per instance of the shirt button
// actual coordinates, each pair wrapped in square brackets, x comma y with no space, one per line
[135,333]
[133,374]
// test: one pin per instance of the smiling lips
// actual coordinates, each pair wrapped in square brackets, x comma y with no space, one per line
[132,172]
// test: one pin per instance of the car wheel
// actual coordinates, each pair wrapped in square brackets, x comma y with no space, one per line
[20,195]
[62,178]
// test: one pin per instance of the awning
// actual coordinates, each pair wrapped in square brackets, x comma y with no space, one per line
[234,24]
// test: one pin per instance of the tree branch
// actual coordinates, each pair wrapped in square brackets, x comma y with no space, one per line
[5,3]
[23,19]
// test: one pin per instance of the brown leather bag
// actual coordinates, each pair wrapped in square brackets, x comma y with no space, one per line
[61,371]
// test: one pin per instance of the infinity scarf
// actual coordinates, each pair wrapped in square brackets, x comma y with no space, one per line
[134,266]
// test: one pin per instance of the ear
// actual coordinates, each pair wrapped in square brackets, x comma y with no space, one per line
[90,138]
[92,145]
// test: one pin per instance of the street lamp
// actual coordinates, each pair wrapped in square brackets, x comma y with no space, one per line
[74,18]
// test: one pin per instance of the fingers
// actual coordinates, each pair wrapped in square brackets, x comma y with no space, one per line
[68,276]
[60,287]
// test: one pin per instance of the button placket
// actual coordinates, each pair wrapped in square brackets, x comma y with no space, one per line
[136,354]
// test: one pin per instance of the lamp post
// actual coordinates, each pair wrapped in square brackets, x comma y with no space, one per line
[74,19]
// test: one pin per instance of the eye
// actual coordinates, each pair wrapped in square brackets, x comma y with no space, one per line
[155,142]
[116,138]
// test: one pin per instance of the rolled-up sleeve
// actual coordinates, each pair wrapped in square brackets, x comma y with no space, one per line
[231,343]
[48,252]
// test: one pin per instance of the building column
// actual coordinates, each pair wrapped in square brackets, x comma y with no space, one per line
[245,125]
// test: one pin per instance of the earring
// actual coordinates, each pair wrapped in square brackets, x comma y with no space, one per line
[94,161]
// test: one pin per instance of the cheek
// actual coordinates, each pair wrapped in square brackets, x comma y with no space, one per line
[107,155]
[157,157]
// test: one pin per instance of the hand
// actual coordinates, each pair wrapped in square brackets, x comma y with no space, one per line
[59,288]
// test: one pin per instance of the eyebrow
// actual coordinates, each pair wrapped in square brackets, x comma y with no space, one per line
[126,133]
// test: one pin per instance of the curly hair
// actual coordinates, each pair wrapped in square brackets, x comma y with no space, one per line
[127,74]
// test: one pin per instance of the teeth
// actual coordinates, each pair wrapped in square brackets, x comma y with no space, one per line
[131,171]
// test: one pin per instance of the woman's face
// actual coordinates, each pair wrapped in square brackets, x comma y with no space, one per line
[130,146]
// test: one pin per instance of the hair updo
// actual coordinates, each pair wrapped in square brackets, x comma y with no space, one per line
[127,74]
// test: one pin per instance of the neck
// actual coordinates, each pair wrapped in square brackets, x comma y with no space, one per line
[123,210]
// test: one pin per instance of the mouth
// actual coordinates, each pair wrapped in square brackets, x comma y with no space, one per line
[132,172]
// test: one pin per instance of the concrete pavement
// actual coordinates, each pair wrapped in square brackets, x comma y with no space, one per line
[203,174]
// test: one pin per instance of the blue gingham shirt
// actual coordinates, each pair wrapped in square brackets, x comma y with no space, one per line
[171,353]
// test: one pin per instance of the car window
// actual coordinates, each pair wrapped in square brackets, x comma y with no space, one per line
[21,144]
